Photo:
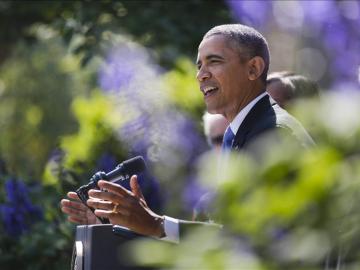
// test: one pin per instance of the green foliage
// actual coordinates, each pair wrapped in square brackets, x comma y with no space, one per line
[183,89]
[34,107]
[201,248]
[285,210]
[94,20]
[37,87]
[97,134]
[290,208]
[48,242]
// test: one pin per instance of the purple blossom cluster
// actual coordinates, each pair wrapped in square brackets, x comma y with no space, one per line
[18,213]
[129,75]
[117,73]
[193,191]
[331,27]
[124,65]
[106,162]
[253,13]
[156,130]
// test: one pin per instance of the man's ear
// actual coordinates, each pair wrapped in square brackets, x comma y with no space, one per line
[256,66]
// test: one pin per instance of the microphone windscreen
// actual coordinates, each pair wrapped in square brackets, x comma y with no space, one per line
[134,165]
[127,168]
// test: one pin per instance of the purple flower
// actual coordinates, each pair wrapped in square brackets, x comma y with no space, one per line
[16,192]
[151,191]
[345,67]
[106,162]
[13,220]
[118,69]
[320,12]
[187,139]
[192,194]
[253,13]
[18,213]
[125,65]
[136,133]
[336,36]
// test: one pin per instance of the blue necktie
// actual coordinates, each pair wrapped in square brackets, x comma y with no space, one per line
[228,139]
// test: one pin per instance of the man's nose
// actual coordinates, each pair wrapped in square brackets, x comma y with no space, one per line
[203,74]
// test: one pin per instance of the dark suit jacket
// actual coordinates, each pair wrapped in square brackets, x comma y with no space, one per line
[264,117]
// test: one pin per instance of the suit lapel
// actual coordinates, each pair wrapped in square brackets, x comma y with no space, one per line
[250,121]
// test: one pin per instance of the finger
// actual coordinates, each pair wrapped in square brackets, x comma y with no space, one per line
[121,212]
[73,212]
[72,195]
[103,195]
[114,188]
[77,220]
[73,204]
[64,202]
[135,187]
[96,204]
[102,213]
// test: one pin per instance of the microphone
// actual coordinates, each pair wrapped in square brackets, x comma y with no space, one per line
[122,172]
[126,169]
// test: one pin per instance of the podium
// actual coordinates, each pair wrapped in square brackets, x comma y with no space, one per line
[101,246]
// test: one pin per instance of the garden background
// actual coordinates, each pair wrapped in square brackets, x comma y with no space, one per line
[85,85]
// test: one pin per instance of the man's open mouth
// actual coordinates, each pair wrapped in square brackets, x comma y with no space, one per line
[209,90]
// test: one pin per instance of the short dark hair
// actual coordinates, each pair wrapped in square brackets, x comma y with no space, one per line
[297,86]
[247,38]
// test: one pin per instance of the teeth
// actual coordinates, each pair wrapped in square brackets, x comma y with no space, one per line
[208,88]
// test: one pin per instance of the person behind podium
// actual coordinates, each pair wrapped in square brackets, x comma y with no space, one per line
[233,61]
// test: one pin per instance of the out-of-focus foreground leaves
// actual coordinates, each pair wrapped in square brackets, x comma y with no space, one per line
[77,96]
[291,208]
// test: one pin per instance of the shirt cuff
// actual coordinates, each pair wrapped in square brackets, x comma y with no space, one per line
[171,228]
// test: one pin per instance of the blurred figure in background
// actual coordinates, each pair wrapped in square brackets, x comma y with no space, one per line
[284,87]
[214,129]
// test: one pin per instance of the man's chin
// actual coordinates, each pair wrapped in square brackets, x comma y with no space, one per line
[212,110]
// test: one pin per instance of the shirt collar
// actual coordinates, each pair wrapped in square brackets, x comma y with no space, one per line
[239,118]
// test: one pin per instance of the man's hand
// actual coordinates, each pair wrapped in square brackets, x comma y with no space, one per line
[125,208]
[77,212]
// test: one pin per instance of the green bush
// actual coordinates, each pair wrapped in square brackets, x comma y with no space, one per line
[290,208]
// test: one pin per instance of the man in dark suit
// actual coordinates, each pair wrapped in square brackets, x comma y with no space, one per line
[233,61]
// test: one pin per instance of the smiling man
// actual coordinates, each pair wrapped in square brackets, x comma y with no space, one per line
[232,68]
[233,61]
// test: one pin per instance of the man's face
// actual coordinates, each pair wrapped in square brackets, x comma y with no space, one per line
[222,76]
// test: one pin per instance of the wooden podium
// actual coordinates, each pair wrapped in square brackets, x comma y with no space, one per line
[101,247]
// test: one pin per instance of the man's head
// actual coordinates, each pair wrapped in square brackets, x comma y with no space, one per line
[233,61]
[214,129]
[285,87]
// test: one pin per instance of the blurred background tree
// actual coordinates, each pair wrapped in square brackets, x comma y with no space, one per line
[87,84]
[93,20]
[35,106]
